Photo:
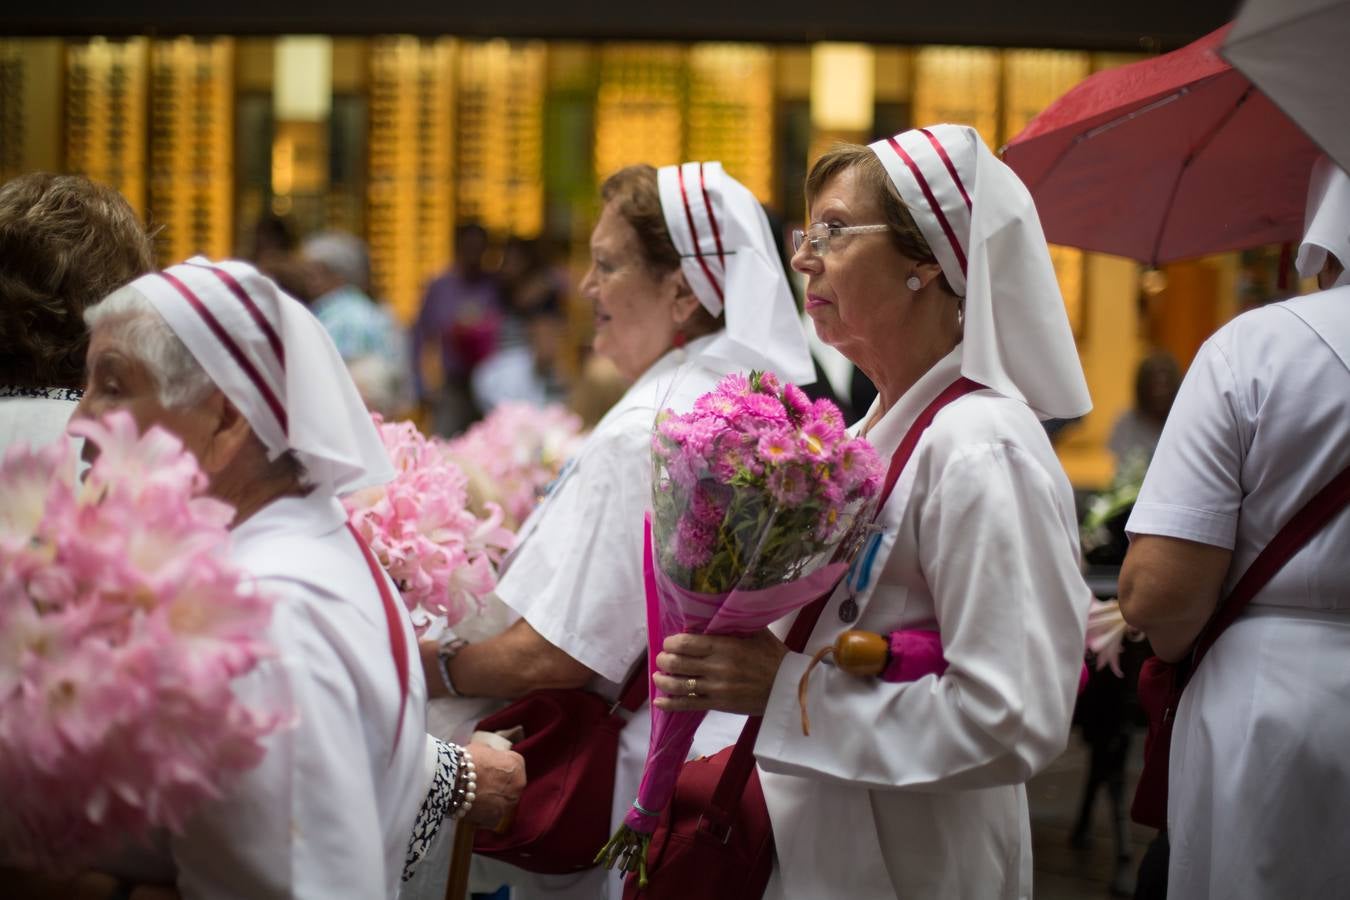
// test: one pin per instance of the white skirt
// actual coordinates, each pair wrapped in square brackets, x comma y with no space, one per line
[1259,797]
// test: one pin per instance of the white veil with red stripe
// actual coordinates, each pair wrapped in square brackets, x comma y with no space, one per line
[981,224]
[1326,224]
[731,262]
[276,364]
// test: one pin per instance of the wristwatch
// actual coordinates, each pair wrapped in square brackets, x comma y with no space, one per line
[446,652]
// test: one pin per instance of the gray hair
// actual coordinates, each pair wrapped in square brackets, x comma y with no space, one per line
[340,253]
[180,380]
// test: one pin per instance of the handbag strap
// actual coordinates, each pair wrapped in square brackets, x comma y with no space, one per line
[397,642]
[726,797]
[634,691]
[1315,515]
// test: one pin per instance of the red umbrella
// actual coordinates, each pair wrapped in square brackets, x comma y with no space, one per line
[1166,159]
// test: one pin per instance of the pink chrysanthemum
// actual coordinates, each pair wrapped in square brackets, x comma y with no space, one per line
[122,627]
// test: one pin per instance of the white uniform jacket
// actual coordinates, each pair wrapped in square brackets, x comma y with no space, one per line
[1260,762]
[330,810]
[917,789]
[577,573]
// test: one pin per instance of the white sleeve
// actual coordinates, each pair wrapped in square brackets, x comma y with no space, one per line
[304,823]
[1011,604]
[577,578]
[1192,490]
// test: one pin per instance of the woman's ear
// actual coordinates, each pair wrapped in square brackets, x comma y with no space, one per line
[928,272]
[685,302]
[229,434]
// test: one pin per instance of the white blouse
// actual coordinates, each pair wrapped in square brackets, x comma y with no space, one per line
[916,789]
[329,812]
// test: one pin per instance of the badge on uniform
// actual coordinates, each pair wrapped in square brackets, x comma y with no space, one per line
[859,576]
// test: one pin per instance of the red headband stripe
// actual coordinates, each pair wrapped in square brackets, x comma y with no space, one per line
[932,202]
[228,343]
[238,290]
[947,161]
[693,232]
[707,204]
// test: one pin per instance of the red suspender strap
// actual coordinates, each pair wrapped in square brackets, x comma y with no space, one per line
[1307,522]
[732,784]
[397,640]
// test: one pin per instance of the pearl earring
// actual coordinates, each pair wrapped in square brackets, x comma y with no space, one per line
[913,283]
[960,314]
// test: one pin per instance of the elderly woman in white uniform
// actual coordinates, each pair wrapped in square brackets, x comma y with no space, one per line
[1259,771]
[925,262]
[250,382]
[687,288]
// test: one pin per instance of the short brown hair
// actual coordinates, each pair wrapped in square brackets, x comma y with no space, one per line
[636,196]
[908,239]
[65,243]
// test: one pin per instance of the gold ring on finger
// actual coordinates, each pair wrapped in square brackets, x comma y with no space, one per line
[692,685]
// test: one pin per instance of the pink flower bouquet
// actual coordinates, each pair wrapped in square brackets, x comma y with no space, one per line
[442,557]
[753,493]
[122,626]
[513,454]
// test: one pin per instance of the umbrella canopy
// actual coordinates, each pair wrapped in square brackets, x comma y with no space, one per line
[1166,159]
[1296,52]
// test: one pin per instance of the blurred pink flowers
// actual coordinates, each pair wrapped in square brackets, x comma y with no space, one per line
[122,626]
[1106,633]
[513,454]
[440,554]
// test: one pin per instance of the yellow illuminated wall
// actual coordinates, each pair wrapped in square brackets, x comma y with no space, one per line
[960,85]
[500,136]
[191,158]
[639,106]
[105,113]
[411,164]
[730,116]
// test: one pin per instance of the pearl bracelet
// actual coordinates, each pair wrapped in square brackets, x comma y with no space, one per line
[466,785]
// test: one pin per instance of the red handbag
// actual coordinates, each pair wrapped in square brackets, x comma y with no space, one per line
[1161,683]
[571,749]
[715,839]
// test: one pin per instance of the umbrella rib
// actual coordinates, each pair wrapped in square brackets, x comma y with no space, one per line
[1204,143]
[1117,122]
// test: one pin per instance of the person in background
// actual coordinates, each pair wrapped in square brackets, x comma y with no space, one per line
[365,333]
[461,314]
[65,243]
[1134,436]
[526,370]
[925,265]
[1258,771]
[274,251]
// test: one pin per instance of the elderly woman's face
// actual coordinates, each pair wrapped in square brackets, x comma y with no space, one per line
[117,379]
[854,293]
[634,309]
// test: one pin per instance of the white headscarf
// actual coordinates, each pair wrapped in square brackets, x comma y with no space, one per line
[982,226]
[1326,224]
[276,364]
[730,261]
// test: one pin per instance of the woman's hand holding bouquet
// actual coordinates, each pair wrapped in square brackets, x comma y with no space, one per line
[754,492]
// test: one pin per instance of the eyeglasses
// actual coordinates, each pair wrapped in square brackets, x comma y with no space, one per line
[821,234]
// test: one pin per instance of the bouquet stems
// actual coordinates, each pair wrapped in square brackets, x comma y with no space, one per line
[627,852]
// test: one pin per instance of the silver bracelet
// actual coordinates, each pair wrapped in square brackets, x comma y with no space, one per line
[446,652]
